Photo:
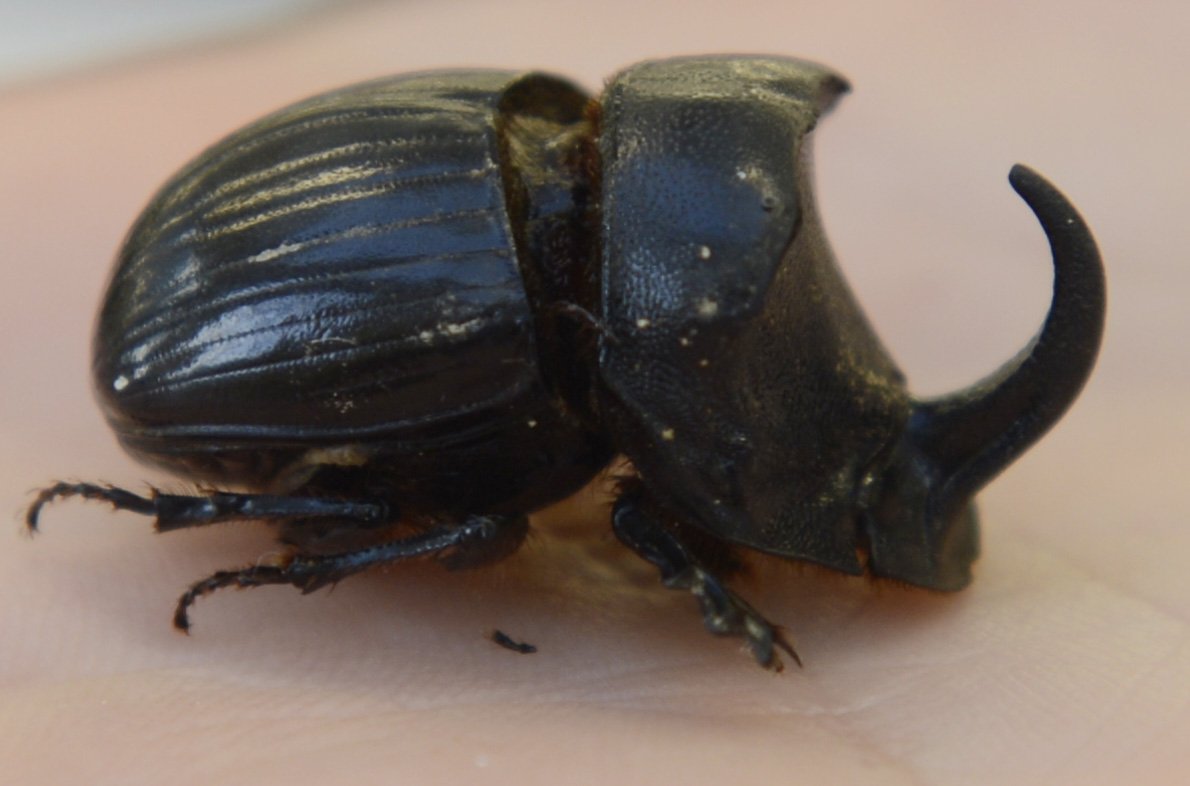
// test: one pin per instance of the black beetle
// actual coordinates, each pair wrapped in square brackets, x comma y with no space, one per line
[408,313]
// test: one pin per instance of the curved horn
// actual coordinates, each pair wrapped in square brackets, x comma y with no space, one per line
[975,433]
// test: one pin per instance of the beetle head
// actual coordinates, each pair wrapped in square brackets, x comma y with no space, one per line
[744,381]
[919,521]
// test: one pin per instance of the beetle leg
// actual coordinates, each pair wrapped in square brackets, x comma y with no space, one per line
[178,511]
[478,539]
[723,612]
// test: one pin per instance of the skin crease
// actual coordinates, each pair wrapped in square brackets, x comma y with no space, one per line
[1067,660]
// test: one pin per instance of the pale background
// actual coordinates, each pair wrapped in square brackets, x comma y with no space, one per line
[1068,660]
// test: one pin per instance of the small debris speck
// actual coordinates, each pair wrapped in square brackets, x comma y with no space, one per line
[509,643]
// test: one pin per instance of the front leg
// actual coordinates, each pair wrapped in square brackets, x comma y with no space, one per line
[723,612]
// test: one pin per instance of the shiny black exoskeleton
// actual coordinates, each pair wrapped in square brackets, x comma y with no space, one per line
[409,313]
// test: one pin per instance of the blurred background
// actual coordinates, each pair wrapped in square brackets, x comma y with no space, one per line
[39,39]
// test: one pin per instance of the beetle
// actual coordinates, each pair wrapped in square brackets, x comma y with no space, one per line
[407,314]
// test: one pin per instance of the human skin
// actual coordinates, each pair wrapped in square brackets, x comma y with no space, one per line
[1067,660]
